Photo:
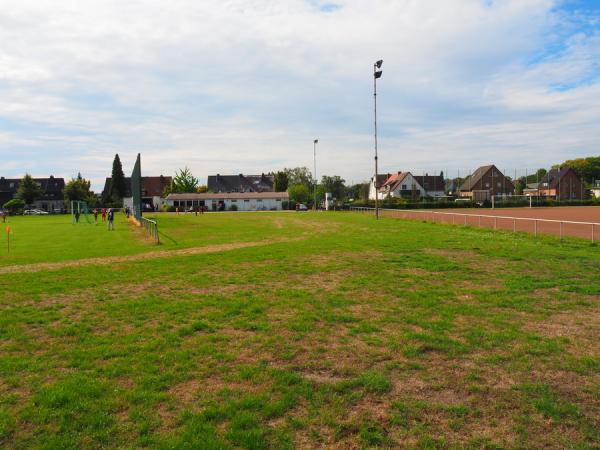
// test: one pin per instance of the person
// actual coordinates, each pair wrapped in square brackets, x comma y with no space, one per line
[77,216]
[177,210]
[3,216]
[103,214]
[95,215]
[111,219]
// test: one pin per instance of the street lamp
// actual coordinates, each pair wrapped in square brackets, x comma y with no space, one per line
[315,173]
[376,74]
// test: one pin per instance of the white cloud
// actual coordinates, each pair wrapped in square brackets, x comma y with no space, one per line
[244,86]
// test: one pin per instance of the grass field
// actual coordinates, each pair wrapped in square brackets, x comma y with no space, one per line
[297,330]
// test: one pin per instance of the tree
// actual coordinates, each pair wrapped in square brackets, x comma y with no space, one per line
[299,193]
[299,175]
[588,169]
[118,189]
[78,189]
[184,182]
[29,190]
[280,181]
[335,185]
[202,189]
[16,204]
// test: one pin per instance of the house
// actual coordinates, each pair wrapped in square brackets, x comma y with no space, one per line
[152,196]
[401,184]
[243,201]
[563,184]
[431,185]
[596,189]
[407,185]
[485,182]
[240,183]
[51,199]
[532,190]
[381,179]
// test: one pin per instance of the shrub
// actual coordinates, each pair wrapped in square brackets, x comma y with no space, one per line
[233,207]
[16,204]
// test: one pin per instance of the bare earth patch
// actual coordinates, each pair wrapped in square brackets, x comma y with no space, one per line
[141,257]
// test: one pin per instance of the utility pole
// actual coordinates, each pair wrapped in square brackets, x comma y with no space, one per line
[315,173]
[376,74]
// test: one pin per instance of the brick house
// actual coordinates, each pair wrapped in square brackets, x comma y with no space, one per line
[485,182]
[240,183]
[563,184]
[51,199]
[153,189]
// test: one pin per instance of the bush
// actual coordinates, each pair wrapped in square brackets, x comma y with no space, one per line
[16,204]
[233,207]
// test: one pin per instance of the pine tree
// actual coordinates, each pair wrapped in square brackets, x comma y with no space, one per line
[118,188]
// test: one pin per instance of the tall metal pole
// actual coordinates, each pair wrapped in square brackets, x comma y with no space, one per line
[376,74]
[315,172]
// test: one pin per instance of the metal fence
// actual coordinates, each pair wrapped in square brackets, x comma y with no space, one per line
[151,228]
[561,228]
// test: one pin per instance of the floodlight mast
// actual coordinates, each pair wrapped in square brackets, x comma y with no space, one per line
[315,142]
[376,74]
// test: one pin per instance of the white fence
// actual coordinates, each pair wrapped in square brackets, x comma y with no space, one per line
[585,230]
[151,227]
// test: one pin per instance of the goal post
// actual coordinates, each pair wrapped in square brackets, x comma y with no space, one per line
[80,211]
[514,201]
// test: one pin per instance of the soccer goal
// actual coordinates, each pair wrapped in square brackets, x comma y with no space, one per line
[514,201]
[80,211]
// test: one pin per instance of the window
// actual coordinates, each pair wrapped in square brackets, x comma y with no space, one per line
[403,187]
[246,201]
[487,185]
[259,200]
[233,201]
[499,184]
[278,199]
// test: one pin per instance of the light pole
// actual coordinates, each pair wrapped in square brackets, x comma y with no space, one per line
[315,173]
[376,74]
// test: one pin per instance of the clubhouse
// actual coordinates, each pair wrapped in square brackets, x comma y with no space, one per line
[232,201]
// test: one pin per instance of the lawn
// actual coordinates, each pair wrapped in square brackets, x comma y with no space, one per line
[297,330]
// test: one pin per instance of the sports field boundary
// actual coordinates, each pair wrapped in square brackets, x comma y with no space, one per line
[535,226]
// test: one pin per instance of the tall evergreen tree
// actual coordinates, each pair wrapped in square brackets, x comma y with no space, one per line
[280,182]
[118,188]
[29,190]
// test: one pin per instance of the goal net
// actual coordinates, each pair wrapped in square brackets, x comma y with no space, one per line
[516,201]
[80,212]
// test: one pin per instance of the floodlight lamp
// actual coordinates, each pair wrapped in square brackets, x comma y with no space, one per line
[378,73]
[379,63]
[316,141]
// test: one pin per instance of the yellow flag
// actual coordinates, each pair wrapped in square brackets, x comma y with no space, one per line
[8,230]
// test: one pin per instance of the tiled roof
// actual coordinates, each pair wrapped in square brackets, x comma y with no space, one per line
[240,183]
[228,196]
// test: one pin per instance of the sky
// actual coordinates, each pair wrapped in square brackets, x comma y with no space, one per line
[245,86]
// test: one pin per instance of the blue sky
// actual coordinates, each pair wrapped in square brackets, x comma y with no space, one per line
[245,86]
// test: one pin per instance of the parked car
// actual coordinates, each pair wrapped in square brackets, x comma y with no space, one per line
[34,212]
[302,207]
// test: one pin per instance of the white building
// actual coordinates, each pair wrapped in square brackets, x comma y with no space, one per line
[243,201]
[381,178]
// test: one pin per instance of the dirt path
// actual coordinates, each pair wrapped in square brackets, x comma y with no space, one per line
[103,261]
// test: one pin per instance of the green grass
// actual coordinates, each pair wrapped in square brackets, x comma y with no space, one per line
[336,331]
